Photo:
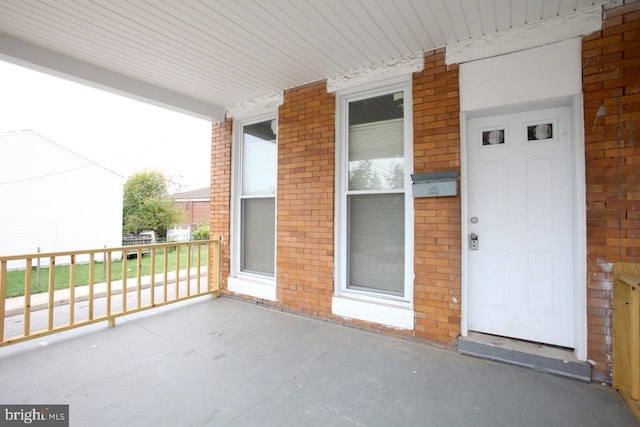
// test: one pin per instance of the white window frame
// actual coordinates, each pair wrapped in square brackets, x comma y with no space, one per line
[370,306]
[246,283]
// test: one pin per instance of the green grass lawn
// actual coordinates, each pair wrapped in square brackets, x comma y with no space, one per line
[16,279]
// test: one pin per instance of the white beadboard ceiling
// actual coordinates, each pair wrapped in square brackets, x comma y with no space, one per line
[221,52]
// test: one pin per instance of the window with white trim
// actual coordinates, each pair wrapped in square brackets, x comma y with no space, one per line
[255,198]
[374,203]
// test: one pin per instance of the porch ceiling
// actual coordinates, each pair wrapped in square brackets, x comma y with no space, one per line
[202,56]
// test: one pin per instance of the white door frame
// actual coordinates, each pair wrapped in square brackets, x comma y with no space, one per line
[580,213]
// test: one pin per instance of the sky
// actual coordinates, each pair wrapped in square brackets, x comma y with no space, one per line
[121,134]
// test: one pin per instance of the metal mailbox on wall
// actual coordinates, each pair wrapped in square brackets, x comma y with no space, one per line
[435,184]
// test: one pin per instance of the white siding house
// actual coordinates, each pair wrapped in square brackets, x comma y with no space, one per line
[52,199]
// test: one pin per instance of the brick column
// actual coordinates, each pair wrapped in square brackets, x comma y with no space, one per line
[305,206]
[220,216]
[436,133]
[611,88]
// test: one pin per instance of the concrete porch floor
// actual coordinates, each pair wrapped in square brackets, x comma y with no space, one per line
[222,362]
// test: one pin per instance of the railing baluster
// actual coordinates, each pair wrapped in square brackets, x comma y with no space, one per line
[139,278]
[91,281]
[188,268]
[125,263]
[198,265]
[52,289]
[166,261]
[3,294]
[178,249]
[72,290]
[108,279]
[26,315]
[152,292]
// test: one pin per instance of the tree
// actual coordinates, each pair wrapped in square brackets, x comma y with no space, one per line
[201,233]
[146,205]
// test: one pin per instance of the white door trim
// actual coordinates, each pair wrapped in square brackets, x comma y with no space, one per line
[580,223]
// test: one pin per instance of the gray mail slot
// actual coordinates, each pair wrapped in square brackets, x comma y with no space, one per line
[435,184]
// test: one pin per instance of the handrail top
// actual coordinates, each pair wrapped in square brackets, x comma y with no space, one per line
[214,239]
[630,279]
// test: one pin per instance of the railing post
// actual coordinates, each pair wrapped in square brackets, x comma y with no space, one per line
[215,261]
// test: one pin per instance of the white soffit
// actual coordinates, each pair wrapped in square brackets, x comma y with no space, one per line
[549,31]
[31,56]
[203,55]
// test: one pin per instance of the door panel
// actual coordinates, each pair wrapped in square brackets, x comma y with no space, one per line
[520,206]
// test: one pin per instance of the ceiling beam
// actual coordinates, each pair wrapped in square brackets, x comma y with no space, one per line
[40,59]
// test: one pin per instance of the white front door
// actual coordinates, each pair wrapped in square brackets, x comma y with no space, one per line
[521,225]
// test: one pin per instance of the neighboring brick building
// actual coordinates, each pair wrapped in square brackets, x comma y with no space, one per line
[195,206]
[313,193]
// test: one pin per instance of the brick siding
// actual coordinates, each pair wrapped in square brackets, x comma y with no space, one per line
[436,133]
[305,205]
[220,220]
[305,197]
[611,88]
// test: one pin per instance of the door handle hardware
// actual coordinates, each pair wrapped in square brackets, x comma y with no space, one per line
[473,241]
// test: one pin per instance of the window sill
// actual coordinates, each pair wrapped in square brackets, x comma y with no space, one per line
[253,286]
[401,317]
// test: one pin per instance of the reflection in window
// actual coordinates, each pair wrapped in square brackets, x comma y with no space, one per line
[493,137]
[257,207]
[541,131]
[375,196]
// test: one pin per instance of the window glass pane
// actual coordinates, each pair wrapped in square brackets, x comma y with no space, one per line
[259,158]
[258,236]
[376,243]
[376,143]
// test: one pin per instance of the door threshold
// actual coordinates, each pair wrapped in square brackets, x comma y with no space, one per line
[539,357]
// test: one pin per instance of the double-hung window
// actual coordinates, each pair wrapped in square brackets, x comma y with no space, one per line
[254,216]
[374,206]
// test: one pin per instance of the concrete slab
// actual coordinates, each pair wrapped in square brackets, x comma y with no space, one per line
[222,362]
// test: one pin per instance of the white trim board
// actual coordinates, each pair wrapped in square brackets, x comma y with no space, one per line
[552,30]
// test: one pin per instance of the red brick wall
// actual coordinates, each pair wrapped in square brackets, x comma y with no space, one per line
[305,205]
[436,133]
[611,87]
[305,201]
[199,212]
[220,215]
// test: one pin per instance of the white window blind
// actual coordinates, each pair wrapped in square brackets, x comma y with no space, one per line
[258,236]
[376,155]
[257,200]
[376,243]
[375,197]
